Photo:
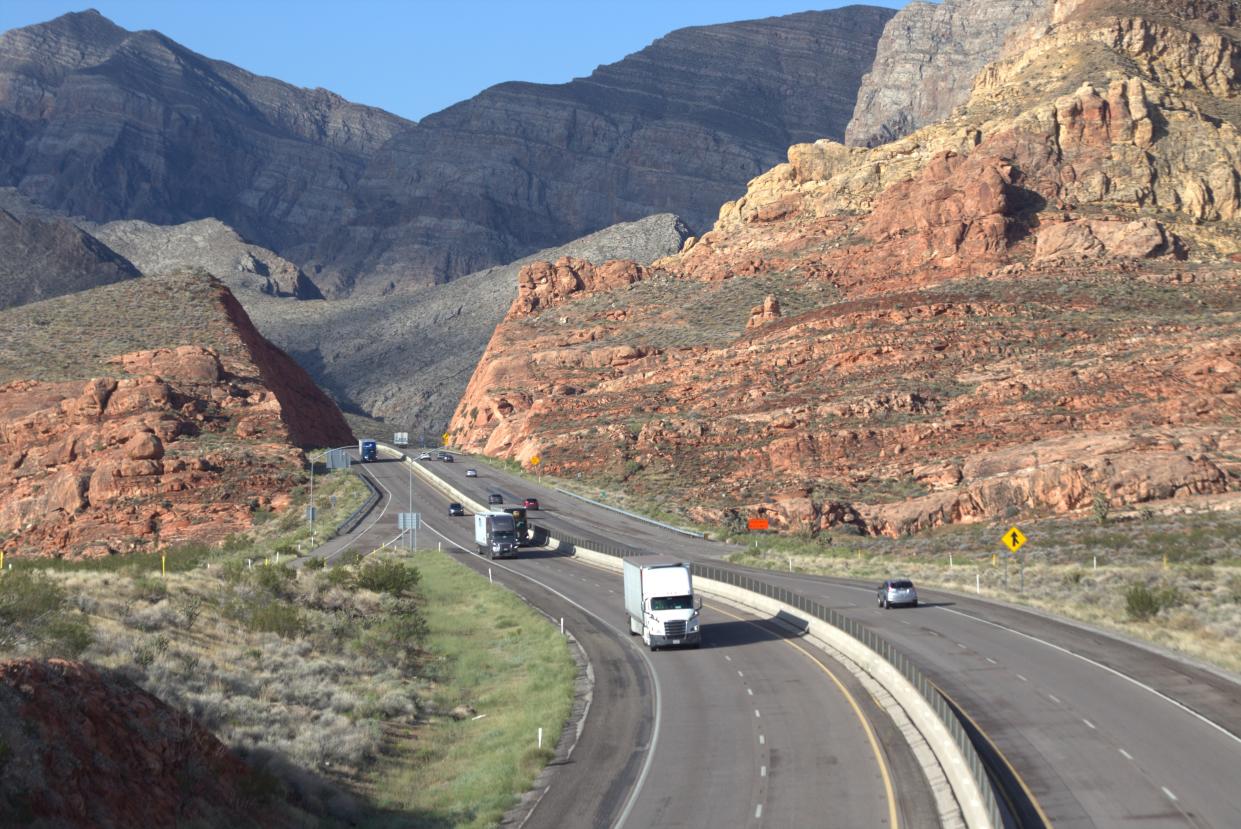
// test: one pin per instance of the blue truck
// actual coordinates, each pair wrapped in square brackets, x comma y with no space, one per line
[368,450]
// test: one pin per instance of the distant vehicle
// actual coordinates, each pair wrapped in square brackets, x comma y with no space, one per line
[525,533]
[456,509]
[471,473]
[368,450]
[425,456]
[495,498]
[660,603]
[531,503]
[495,534]
[897,592]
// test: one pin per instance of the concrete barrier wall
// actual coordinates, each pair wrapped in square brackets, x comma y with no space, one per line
[976,806]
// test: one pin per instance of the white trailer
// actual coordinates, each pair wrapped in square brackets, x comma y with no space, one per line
[495,534]
[659,601]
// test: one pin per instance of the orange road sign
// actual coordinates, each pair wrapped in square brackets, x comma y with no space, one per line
[759,524]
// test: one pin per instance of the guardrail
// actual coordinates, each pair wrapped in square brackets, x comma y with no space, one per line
[859,632]
[355,517]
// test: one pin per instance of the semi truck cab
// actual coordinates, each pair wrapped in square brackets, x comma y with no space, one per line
[660,601]
[368,450]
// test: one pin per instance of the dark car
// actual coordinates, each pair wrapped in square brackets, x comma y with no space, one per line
[495,498]
[531,503]
[456,509]
[447,459]
[896,592]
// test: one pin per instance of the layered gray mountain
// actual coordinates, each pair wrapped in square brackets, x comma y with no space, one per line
[407,357]
[44,256]
[110,124]
[926,62]
[680,126]
[211,245]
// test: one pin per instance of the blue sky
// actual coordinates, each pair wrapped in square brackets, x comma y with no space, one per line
[414,57]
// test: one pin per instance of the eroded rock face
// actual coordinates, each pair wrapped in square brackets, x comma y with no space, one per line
[926,62]
[86,748]
[44,257]
[1019,311]
[176,444]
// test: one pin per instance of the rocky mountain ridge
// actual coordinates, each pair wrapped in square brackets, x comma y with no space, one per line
[407,357]
[926,62]
[362,199]
[146,413]
[1027,308]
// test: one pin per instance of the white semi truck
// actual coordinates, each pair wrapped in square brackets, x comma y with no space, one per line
[660,603]
[495,534]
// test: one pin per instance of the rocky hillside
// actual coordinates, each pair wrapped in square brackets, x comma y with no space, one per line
[146,413]
[407,357]
[361,198]
[47,257]
[88,109]
[82,748]
[926,62]
[679,127]
[1028,308]
[209,245]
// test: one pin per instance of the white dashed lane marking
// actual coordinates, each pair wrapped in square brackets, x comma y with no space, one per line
[1054,698]
[1088,723]
[1168,792]
[1125,754]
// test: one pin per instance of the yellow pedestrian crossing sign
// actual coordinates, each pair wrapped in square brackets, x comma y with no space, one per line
[1013,539]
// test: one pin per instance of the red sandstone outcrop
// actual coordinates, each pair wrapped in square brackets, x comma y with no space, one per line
[177,444]
[83,748]
[1018,311]
[543,285]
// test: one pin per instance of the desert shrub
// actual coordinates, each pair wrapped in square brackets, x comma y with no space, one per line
[274,580]
[36,618]
[388,576]
[1100,507]
[1143,603]
[274,616]
[395,634]
[188,608]
[314,563]
[150,588]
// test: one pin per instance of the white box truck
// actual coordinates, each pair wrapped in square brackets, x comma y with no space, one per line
[495,534]
[660,603]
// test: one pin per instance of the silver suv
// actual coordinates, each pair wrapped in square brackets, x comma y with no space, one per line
[897,591]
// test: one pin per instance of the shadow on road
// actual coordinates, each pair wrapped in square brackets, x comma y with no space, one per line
[736,633]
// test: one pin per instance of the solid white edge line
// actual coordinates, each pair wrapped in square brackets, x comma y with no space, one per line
[1107,668]
[650,750]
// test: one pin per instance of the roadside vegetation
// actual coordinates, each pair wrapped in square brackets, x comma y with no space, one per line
[1172,579]
[345,688]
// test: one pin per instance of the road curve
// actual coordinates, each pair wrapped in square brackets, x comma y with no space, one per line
[752,731]
[1100,731]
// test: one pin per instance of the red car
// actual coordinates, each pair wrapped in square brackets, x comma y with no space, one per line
[531,503]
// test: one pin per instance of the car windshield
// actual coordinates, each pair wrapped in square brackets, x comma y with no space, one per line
[454,506]
[672,603]
[503,535]
[902,585]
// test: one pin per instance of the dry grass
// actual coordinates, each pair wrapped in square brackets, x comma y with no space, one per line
[71,337]
[336,685]
[1079,569]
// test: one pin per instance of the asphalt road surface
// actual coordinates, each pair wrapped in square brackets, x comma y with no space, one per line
[751,730]
[1098,731]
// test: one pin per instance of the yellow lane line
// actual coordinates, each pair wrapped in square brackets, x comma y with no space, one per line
[857,709]
[1038,807]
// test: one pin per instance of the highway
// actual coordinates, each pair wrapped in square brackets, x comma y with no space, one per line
[756,728]
[1098,731]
